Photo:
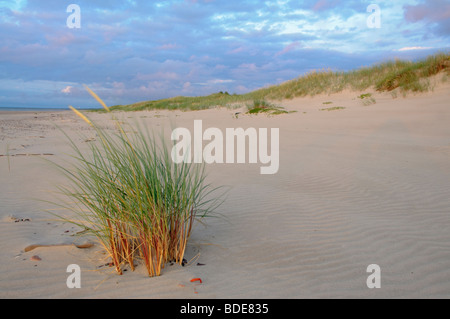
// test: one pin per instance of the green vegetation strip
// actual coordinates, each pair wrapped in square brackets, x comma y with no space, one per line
[384,77]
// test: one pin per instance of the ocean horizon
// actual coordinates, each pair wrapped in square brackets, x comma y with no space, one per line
[37,109]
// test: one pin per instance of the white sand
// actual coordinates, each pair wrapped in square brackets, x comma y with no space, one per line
[359,186]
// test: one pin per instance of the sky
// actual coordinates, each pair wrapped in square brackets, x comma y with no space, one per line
[131,50]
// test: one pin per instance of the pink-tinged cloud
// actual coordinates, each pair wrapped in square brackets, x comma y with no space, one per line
[220,67]
[219,81]
[118,88]
[319,5]
[324,5]
[186,86]
[237,50]
[61,40]
[413,48]
[67,89]
[431,11]
[161,75]
[168,46]
[248,66]
[288,48]
[118,85]
[241,89]
[196,1]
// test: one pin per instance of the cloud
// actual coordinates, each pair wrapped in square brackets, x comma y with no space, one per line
[435,14]
[413,48]
[168,46]
[220,81]
[288,48]
[186,86]
[67,89]
[248,66]
[129,51]
[430,10]
[321,5]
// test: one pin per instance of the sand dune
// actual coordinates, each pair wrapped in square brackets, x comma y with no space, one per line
[368,184]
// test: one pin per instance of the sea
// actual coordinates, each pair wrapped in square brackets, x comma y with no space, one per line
[34,109]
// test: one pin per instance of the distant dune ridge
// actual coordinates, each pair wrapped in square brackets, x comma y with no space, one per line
[397,76]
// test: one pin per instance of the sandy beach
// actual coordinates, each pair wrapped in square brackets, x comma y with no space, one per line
[357,185]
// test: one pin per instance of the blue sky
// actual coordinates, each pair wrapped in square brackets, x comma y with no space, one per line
[129,51]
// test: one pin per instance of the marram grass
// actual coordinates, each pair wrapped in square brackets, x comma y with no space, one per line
[139,204]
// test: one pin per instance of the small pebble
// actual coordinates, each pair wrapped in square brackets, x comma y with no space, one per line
[36,258]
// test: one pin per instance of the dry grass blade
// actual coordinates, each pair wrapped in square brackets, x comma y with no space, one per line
[95,96]
[81,115]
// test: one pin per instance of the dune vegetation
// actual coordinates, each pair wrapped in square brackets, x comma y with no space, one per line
[403,76]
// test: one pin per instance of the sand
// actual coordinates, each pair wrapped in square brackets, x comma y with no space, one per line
[368,184]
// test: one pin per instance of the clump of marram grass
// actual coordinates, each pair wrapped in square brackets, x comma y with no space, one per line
[384,77]
[414,76]
[367,99]
[262,106]
[138,203]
